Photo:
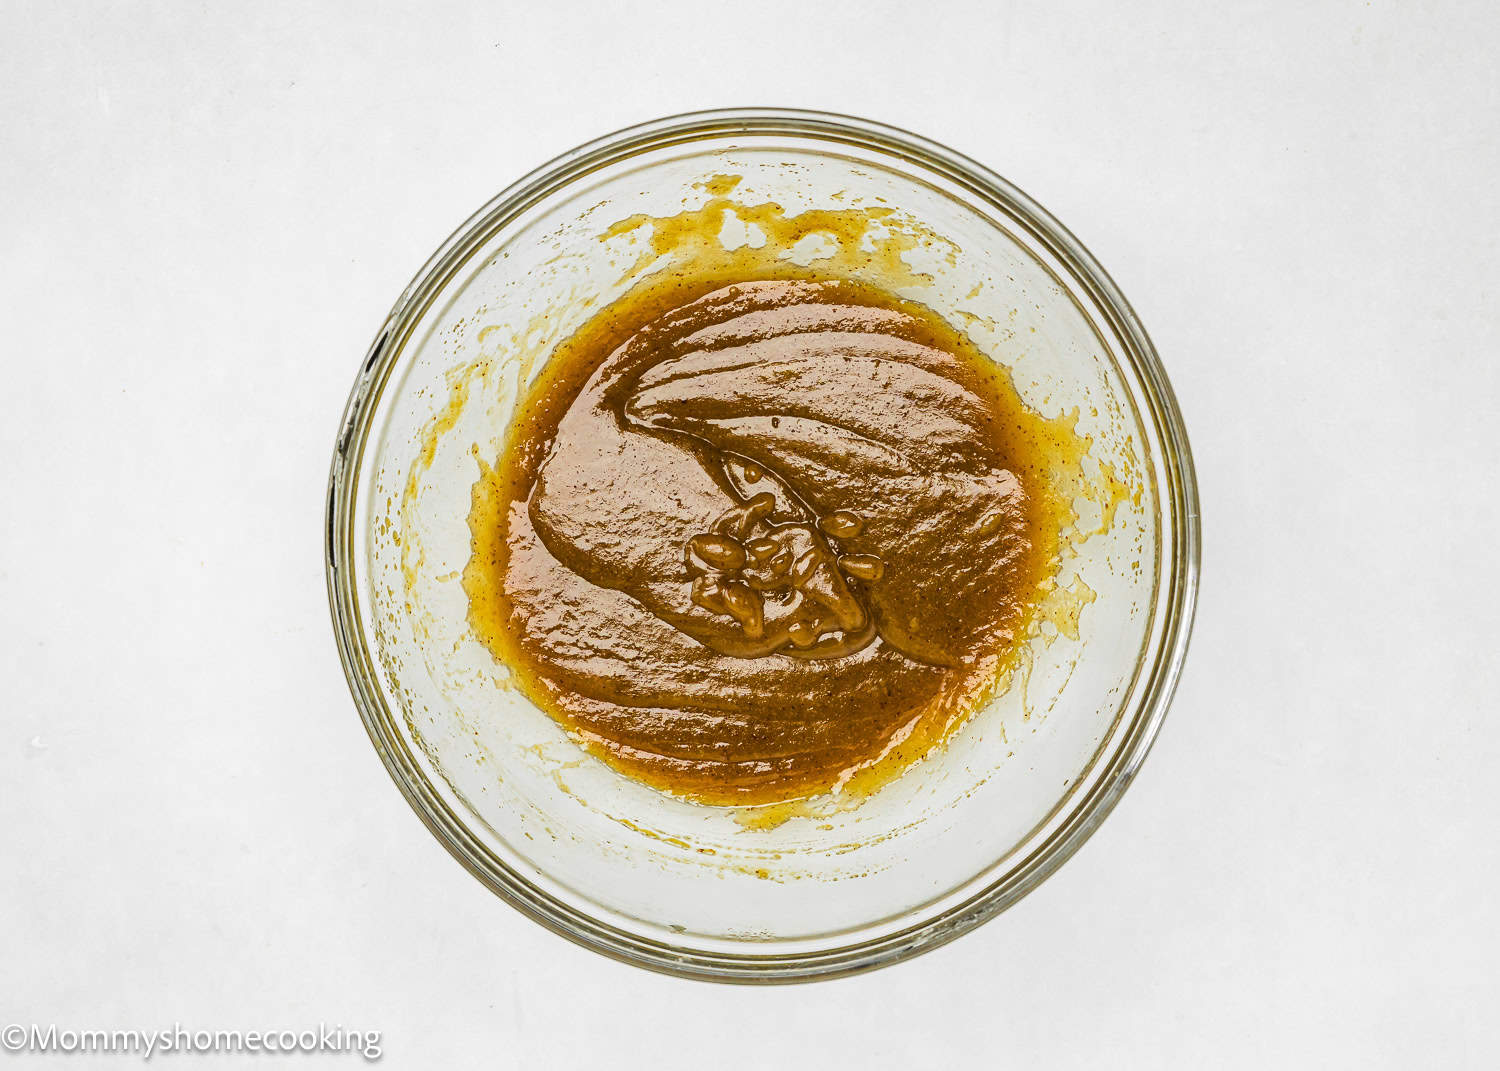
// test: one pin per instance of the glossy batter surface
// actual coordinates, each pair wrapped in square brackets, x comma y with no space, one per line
[752,537]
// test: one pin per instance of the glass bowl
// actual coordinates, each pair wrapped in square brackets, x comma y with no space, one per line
[842,883]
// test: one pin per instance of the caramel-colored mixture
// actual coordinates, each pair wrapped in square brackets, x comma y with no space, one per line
[751,537]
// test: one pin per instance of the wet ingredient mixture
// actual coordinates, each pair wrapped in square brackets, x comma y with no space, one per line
[754,538]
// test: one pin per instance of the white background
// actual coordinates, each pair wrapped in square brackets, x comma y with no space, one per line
[205,212]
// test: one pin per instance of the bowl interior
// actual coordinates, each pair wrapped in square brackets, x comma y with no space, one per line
[675,883]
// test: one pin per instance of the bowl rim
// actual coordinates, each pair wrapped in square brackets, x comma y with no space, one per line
[1181,560]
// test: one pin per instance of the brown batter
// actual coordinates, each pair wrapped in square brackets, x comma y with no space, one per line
[750,537]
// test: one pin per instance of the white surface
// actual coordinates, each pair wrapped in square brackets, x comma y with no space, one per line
[206,213]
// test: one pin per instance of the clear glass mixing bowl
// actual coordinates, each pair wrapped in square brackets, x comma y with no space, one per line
[720,893]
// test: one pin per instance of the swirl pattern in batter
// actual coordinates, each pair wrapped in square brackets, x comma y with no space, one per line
[750,538]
